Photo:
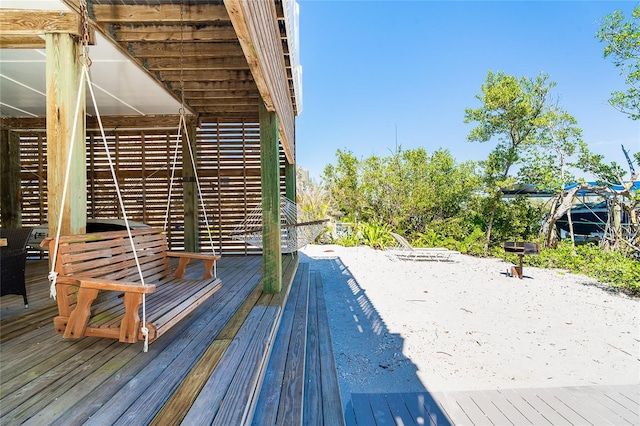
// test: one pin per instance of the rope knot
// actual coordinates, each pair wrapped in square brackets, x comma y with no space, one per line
[145,333]
[53,277]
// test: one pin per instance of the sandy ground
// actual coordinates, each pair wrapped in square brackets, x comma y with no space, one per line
[402,326]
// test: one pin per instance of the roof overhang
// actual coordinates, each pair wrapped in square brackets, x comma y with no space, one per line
[221,58]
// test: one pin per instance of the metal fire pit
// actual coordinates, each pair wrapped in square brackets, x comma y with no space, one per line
[520,248]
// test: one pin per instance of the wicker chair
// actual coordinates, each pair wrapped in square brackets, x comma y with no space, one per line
[13,259]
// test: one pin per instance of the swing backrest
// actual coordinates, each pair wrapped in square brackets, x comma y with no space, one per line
[109,255]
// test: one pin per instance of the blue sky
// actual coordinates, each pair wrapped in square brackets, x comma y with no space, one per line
[371,67]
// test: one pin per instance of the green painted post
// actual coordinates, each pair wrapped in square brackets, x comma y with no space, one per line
[63,72]
[190,192]
[270,173]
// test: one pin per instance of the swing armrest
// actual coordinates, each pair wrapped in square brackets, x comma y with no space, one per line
[185,258]
[203,256]
[102,284]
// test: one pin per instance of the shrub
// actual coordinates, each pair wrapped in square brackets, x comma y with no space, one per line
[610,267]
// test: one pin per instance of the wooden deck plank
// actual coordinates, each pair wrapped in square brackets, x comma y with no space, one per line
[235,406]
[178,404]
[562,406]
[592,413]
[96,399]
[616,412]
[520,404]
[350,415]
[381,410]
[58,413]
[415,404]
[399,410]
[312,410]
[141,399]
[292,393]
[332,410]
[507,408]
[532,397]
[212,395]
[47,387]
[20,363]
[148,404]
[266,409]
[362,409]
[626,396]
[429,405]
[92,401]
[119,392]
[473,412]
[486,404]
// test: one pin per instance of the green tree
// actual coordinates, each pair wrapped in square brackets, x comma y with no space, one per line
[514,112]
[622,40]
[342,183]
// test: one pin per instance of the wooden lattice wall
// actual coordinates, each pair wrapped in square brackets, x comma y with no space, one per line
[228,163]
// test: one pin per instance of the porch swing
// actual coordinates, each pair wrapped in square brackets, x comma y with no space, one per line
[100,280]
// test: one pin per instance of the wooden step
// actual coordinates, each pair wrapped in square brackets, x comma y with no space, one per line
[300,386]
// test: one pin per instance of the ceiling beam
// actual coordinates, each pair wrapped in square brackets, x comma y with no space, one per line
[159,13]
[110,123]
[17,22]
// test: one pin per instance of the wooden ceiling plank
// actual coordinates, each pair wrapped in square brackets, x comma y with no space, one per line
[199,12]
[229,108]
[223,94]
[21,42]
[131,33]
[238,102]
[202,49]
[196,64]
[16,22]
[224,76]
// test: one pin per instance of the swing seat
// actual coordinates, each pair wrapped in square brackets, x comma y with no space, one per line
[99,291]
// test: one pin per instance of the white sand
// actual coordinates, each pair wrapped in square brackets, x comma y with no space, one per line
[402,326]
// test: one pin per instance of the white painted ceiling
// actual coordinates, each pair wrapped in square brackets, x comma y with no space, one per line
[120,86]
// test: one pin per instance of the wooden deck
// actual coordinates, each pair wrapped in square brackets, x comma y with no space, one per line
[244,357]
[223,364]
[579,405]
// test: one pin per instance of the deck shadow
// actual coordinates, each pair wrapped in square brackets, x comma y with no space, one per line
[378,382]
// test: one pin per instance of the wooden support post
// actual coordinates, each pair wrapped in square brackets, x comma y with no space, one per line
[11,216]
[190,192]
[271,229]
[63,72]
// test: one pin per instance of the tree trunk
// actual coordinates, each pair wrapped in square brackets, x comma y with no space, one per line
[564,207]
[490,224]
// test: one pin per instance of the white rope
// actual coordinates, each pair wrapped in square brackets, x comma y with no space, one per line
[85,77]
[53,275]
[204,210]
[143,329]
[173,173]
